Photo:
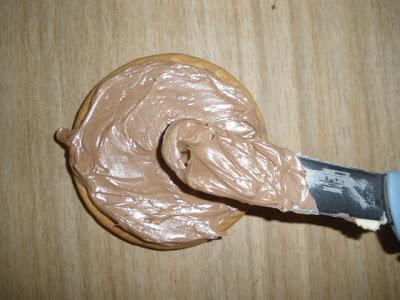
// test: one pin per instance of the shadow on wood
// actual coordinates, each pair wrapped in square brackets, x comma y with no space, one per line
[385,235]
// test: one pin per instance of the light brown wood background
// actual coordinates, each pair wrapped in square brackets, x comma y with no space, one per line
[327,76]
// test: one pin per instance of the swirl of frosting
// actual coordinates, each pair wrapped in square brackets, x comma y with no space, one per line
[116,153]
[223,163]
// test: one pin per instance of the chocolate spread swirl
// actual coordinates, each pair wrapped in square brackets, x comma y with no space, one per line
[216,145]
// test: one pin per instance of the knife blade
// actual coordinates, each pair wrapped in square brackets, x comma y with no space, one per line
[357,195]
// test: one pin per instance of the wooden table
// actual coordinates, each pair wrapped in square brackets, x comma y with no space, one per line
[327,76]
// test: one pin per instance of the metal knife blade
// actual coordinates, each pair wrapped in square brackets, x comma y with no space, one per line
[347,192]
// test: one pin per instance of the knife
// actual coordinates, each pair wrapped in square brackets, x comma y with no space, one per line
[366,198]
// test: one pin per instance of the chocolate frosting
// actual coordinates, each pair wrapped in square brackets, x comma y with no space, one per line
[214,145]
[223,163]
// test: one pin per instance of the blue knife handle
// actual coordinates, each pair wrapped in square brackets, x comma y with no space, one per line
[393,198]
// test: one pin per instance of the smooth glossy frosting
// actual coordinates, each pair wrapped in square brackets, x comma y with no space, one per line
[116,154]
[223,163]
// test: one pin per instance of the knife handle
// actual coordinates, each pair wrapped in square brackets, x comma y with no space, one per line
[393,198]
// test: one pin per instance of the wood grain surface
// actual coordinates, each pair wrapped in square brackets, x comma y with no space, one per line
[327,76]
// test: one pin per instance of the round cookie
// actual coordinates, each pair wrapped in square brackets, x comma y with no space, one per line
[103,219]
